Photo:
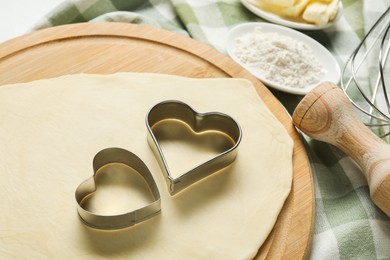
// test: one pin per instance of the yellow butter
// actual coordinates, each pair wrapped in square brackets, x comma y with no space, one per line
[291,8]
[320,13]
[281,3]
[316,12]
[333,8]
[295,10]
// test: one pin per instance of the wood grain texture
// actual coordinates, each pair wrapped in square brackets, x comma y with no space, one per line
[326,114]
[112,47]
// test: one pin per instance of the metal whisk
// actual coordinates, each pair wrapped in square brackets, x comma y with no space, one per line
[365,77]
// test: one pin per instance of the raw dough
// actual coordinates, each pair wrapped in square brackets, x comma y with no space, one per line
[51,129]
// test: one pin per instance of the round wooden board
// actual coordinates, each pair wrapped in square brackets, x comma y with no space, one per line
[105,48]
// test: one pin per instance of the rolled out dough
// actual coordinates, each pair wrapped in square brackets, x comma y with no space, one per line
[51,129]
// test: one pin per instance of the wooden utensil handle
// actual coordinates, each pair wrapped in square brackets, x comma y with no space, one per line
[326,114]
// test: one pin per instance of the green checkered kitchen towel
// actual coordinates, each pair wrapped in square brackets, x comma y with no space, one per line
[348,225]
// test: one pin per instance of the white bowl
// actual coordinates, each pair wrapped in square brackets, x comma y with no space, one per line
[292,23]
[328,62]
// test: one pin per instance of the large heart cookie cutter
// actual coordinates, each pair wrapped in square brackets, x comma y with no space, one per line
[199,122]
[117,155]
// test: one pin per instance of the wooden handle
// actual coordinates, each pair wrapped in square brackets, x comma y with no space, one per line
[326,114]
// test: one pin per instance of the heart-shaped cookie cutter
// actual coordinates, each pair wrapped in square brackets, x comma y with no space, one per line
[88,187]
[199,122]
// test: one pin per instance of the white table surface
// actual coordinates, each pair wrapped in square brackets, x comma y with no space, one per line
[18,16]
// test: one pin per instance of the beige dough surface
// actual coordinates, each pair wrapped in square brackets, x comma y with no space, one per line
[50,130]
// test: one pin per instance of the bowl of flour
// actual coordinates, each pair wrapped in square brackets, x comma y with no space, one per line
[282,58]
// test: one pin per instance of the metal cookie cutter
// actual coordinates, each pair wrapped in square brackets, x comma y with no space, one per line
[117,155]
[199,122]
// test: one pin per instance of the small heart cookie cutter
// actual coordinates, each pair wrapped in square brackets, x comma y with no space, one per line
[199,122]
[117,155]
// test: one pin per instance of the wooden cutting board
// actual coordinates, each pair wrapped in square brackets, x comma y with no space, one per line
[112,47]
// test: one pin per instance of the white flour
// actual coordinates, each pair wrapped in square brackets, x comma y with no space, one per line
[279,58]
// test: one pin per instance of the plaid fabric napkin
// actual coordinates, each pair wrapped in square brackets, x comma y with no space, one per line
[348,225]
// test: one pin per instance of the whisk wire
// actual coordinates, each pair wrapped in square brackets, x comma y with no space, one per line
[378,117]
[382,62]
